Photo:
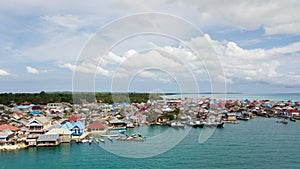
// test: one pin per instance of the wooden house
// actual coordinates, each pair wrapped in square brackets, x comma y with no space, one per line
[48,140]
[64,134]
[37,126]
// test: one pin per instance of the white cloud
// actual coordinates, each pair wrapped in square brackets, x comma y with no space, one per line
[284,28]
[56,35]
[253,66]
[275,17]
[156,75]
[86,68]
[291,48]
[233,50]
[4,73]
[32,70]
[66,21]
[258,65]
[111,57]
[60,47]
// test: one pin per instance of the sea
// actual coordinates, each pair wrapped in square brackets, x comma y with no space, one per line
[240,96]
[257,143]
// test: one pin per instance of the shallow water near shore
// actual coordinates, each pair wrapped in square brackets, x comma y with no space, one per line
[257,143]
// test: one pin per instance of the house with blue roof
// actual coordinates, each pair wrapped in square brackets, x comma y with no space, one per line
[75,127]
[34,112]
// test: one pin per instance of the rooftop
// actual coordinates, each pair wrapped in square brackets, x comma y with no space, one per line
[48,137]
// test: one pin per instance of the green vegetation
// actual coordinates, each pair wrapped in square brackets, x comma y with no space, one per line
[80,97]
[168,116]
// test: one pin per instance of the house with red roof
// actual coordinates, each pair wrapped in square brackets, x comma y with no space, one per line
[18,115]
[291,112]
[73,118]
[96,127]
[37,107]
[11,128]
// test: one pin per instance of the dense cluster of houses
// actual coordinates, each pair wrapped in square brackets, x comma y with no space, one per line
[42,125]
[48,125]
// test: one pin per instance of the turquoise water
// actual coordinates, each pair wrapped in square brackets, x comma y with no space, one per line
[257,143]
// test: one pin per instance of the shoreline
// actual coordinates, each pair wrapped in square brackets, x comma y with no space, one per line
[54,123]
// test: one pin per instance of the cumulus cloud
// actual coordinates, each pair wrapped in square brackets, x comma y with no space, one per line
[258,65]
[4,73]
[178,62]
[32,70]
[58,36]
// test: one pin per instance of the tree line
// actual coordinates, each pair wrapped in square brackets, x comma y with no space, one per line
[79,97]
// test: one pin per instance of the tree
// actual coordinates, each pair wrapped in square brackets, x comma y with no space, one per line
[177,111]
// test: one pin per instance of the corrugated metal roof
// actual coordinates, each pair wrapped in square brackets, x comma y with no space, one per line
[39,120]
[79,125]
[5,133]
[69,125]
[54,126]
[96,125]
[48,137]
[59,131]
[6,126]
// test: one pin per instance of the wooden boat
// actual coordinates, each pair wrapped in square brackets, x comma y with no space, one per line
[114,130]
[213,121]
[292,119]
[109,138]
[214,124]
[233,122]
[175,124]
[243,118]
[78,141]
[101,140]
[129,125]
[196,124]
[284,121]
[84,140]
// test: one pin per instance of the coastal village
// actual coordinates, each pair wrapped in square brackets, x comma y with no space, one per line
[28,124]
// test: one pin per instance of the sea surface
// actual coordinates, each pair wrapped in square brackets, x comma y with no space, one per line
[257,143]
[272,97]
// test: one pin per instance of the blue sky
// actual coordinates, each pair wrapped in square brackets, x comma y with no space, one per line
[255,46]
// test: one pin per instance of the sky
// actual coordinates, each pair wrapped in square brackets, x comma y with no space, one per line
[150,46]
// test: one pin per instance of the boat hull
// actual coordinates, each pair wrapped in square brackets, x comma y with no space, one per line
[198,125]
[218,125]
